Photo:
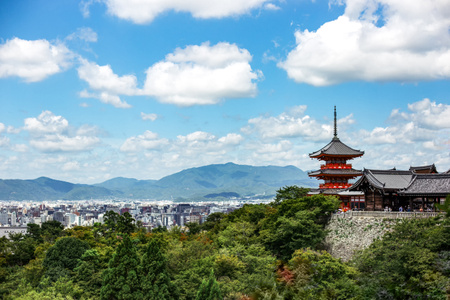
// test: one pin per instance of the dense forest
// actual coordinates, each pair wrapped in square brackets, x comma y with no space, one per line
[264,251]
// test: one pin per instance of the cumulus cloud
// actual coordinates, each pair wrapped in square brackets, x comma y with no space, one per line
[51,133]
[418,136]
[375,40]
[271,6]
[291,124]
[47,122]
[142,12]
[107,85]
[150,117]
[147,141]
[202,75]
[426,113]
[33,60]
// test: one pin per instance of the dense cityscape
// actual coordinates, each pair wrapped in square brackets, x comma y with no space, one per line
[14,216]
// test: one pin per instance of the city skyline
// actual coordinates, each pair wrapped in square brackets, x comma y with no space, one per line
[97,89]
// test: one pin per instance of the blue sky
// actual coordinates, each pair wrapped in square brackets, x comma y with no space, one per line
[96,89]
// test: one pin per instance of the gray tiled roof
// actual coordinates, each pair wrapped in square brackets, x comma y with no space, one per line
[428,184]
[325,191]
[430,168]
[336,147]
[385,179]
[348,172]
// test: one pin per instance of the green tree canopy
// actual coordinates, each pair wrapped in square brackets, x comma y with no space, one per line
[209,289]
[63,256]
[411,261]
[156,283]
[122,279]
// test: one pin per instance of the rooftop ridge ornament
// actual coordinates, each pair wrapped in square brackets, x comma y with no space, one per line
[335,123]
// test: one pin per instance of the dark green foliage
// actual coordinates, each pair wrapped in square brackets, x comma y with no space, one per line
[111,218]
[126,223]
[194,228]
[317,275]
[122,279]
[159,229]
[296,223]
[88,273]
[20,249]
[62,258]
[408,262]
[252,213]
[209,290]
[290,192]
[212,221]
[156,282]
[445,207]
[116,223]
[34,231]
[51,230]
[286,235]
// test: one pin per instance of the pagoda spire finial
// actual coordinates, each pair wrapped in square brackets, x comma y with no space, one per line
[335,123]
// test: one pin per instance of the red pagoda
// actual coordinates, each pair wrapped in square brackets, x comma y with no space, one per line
[336,172]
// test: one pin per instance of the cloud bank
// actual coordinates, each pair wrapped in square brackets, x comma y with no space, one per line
[33,60]
[145,11]
[375,40]
[199,75]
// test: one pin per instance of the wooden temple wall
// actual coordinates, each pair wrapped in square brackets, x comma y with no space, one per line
[374,200]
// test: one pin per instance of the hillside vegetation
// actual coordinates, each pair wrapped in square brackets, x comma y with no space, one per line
[271,251]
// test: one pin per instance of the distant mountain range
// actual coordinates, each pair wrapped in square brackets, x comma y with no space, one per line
[212,182]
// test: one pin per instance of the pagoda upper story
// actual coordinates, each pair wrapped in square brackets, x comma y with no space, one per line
[336,172]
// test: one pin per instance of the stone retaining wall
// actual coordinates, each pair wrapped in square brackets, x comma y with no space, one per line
[349,234]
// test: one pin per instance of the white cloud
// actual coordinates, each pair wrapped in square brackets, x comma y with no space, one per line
[151,117]
[144,11]
[291,124]
[84,34]
[202,75]
[47,122]
[106,84]
[419,136]
[147,141]
[71,166]
[4,141]
[51,133]
[375,41]
[271,6]
[33,60]
[428,114]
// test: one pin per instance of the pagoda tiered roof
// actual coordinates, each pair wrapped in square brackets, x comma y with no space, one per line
[333,172]
[336,148]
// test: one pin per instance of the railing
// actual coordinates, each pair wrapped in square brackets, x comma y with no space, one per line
[336,166]
[335,185]
[385,214]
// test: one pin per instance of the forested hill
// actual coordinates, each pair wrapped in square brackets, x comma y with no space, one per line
[210,182]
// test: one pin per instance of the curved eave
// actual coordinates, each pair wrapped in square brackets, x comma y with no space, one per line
[322,155]
[335,175]
[417,194]
[367,175]
[335,172]
[336,148]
